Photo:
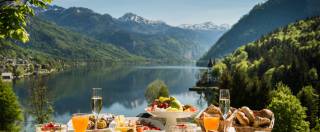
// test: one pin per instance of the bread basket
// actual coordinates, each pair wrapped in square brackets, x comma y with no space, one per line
[240,128]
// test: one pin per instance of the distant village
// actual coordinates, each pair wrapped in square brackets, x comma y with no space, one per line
[15,68]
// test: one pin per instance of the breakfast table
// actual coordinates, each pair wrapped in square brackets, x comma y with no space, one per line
[159,122]
[167,114]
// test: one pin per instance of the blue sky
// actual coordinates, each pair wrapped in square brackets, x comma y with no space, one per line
[173,12]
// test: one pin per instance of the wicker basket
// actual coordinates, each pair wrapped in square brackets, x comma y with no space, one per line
[222,123]
[240,128]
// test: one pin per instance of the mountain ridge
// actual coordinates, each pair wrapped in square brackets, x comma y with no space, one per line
[289,55]
[205,26]
[140,36]
[262,19]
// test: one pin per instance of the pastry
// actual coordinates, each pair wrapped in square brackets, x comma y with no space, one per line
[248,113]
[243,120]
[213,110]
[90,125]
[101,124]
[92,118]
[266,113]
[261,121]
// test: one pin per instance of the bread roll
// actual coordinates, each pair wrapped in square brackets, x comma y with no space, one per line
[261,121]
[266,113]
[90,125]
[243,120]
[101,124]
[213,110]
[248,113]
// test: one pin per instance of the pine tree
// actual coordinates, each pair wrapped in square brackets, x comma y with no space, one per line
[11,114]
[310,99]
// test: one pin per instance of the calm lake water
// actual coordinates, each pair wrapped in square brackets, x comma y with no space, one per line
[123,88]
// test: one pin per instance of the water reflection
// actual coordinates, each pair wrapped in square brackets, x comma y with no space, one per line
[123,88]
[40,105]
[208,97]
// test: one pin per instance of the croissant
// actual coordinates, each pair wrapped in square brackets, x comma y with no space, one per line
[243,120]
[248,113]
[261,121]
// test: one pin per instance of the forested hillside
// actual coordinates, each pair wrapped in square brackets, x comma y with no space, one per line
[9,49]
[261,20]
[290,55]
[50,42]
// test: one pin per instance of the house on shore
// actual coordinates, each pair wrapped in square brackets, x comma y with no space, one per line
[6,76]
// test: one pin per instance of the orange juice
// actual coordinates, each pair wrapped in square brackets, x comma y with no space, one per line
[211,123]
[80,123]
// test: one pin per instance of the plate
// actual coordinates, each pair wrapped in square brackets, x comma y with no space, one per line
[154,122]
[70,127]
[63,127]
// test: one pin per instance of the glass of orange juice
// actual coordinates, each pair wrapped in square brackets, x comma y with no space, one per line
[80,122]
[211,122]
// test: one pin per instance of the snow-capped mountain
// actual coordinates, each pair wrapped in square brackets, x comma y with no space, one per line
[205,26]
[131,17]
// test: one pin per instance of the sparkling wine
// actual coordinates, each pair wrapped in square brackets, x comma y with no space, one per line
[96,104]
[224,105]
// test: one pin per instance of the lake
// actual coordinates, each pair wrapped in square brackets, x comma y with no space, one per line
[123,88]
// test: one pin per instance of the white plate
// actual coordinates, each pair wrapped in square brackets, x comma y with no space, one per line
[156,123]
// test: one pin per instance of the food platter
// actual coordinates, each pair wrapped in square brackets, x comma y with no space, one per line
[153,122]
[105,116]
[113,125]
[49,127]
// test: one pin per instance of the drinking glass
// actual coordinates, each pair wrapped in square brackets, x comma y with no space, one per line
[211,123]
[96,103]
[80,122]
[224,104]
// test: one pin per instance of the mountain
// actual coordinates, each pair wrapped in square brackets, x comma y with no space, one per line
[148,38]
[262,19]
[131,17]
[49,41]
[207,26]
[289,55]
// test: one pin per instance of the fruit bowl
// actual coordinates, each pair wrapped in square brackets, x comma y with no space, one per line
[168,114]
[171,117]
[170,108]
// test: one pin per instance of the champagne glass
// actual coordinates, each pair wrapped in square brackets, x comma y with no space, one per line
[224,104]
[96,103]
[80,122]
